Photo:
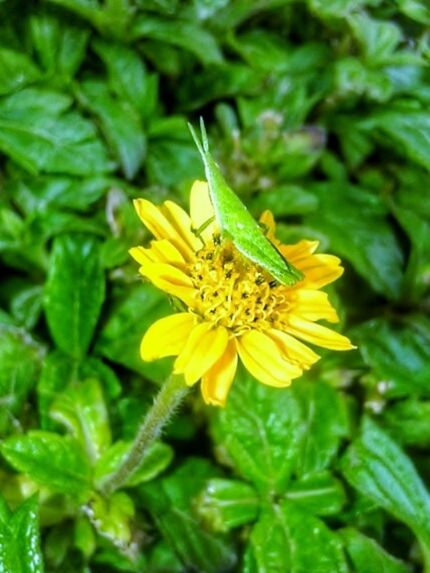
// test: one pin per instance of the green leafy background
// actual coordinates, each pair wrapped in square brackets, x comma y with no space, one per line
[317,110]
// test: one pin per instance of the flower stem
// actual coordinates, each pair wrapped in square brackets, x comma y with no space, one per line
[168,399]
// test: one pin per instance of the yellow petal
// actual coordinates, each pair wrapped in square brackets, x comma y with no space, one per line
[181,222]
[157,223]
[201,209]
[320,270]
[301,250]
[297,352]
[317,334]
[204,347]
[167,336]
[141,255]
[165,252]
[217,381]
[313,305]
[170,279]
[162,251]
[264,359]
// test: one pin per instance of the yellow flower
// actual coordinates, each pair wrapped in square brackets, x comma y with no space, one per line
[232,307]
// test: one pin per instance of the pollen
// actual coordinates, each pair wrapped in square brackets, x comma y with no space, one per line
[233,292]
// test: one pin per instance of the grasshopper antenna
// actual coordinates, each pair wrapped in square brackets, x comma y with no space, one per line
[196,139]
[204,135]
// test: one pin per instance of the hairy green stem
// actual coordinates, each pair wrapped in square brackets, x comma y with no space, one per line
[167,400]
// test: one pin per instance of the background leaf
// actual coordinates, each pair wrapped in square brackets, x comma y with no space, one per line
[121,124]
[52,460]
[20,359]
[275,542]
[227,503]
[325,424]
[82,410]
[378,468]
[16,71]
[39,134]
[169,501]
[260,430]
[74,293]
[367,556]
[398,353]
[20,540]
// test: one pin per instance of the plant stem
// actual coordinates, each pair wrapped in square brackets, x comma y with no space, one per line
[424,541]
[168,399]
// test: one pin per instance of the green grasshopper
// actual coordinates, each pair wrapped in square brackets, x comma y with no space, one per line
[237,224]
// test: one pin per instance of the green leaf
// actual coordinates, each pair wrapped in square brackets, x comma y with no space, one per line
[20,359]
[75,292]
[20,540]
[398,353]
[376,466]
[179,33]
[156,460]
[16,71]
[417,226]
[285,200]
[369,557]
[163,558]
[260,430]
[225,504]
[46,192]
[172,157]
[112,517]
[287,539]
[416,10]
[60,45]
[26,306]
[406,130]
[39,134]
[112,19]
[84,537]
[60,371]
[53,223]
[122,333]
[92,367]
[353,80]
[378,38]
[120,123]
[56,545]
[263,50]
[325,425]
[215,83]
[57,372]
[318,494]
[408,421]
[82,410]
[128,77]
[170,502]
[49,459]
[368,241]
[338,8]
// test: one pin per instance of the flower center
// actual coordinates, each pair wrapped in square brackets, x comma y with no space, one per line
[234,292]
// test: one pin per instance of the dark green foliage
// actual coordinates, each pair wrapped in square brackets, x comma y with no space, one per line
[316,110]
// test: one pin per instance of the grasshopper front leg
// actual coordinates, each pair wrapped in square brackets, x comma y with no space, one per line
[198,232]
